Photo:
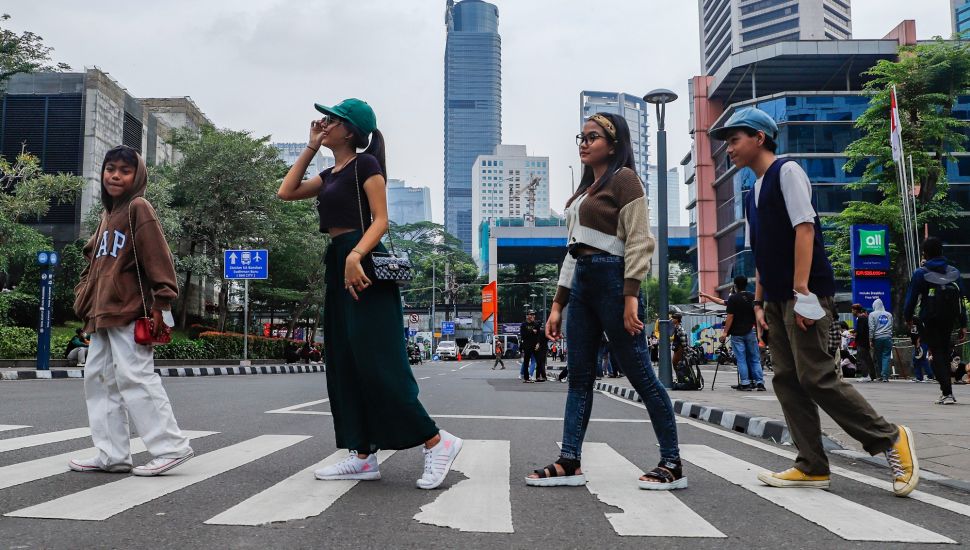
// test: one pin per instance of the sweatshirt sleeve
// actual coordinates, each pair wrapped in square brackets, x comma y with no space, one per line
[155,257]
[565,280]
[913,295]
[634,230]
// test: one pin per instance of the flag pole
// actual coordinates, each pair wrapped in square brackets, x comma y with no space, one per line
[912,180]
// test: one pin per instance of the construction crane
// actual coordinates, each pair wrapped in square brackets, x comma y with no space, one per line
[530,192]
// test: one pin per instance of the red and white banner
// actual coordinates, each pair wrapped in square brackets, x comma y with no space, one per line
[895,135]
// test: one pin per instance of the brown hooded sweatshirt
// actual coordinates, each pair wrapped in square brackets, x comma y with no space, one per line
[108,294]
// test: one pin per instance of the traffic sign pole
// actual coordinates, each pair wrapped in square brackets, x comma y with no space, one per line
[246,321]
[48,259]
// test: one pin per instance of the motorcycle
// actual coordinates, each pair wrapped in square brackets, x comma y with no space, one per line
[414,355]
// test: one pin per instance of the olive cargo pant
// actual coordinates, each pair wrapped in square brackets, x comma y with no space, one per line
[805,380]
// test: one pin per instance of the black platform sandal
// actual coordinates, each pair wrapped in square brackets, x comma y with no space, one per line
[668,475]
[550,477]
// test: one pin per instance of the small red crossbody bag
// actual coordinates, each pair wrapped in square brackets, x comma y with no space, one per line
[144,326]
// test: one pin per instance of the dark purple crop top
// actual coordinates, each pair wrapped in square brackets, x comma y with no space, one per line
[337,201]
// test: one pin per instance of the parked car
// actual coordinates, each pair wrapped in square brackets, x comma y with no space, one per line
[475,350]
[447,349]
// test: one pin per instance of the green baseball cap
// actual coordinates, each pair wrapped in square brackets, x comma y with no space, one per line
[752,118]
[354,111]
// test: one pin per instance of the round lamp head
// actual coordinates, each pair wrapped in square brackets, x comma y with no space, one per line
[660,96]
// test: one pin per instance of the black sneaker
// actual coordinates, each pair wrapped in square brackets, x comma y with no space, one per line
[743,387]
[761,387]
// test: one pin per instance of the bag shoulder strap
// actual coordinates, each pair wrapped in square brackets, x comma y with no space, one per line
[360,207]
[134,248]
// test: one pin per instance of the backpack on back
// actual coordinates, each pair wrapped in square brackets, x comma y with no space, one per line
[942,303]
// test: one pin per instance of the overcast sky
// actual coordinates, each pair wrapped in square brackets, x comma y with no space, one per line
[260,65]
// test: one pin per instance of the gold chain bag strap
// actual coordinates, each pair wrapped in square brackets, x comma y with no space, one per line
[381,266]
[144,326]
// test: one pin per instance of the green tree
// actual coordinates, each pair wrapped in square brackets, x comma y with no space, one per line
[224,190]
[678,290]
[928,78]
[27,192]
[434,253]
[23,53]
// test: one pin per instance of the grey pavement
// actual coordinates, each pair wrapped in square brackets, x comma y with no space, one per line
[942,431]
[720,509]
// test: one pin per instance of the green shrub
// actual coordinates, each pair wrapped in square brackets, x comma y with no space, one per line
[18,343]
[186,349]
[18,309]
[228,345]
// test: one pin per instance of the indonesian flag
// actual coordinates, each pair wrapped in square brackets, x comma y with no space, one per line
[895,136]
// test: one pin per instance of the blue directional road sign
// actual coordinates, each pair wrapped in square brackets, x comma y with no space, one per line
[246,264]
[447,327]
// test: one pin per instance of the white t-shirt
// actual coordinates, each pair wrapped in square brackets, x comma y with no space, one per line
[796,189]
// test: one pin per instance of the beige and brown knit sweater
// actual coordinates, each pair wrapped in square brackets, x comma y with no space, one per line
[613,218]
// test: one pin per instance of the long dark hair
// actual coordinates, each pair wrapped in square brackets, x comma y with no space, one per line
[622,157]
[374,148]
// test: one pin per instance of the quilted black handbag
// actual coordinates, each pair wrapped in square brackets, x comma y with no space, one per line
[381,266]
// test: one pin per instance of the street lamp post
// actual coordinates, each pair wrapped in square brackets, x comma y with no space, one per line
[572,175]
[661,97]
[545,283]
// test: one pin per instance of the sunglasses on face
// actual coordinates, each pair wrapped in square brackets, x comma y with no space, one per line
[587,138]
[328,120]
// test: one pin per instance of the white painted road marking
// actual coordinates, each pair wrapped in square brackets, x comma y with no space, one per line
[104,501]
[482,503]
[293,408]
[15,443]
[613,480]
[24,472]
[10,427]
[822,508]
[297,497]
[424,378]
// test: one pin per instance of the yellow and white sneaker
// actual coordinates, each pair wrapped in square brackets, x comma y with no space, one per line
[903,463]
[793,477]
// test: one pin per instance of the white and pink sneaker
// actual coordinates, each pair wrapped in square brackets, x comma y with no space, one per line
[438,460]
[352,467]
[158,466]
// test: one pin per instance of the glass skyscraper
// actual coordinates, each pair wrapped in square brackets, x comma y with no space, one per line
[960,13]
[473,105]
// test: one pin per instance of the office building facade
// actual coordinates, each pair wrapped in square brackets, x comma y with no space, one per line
[70,120]
[729,27]
[407,204]
[816,119]
[960,17]
[675,210]
[290,151]
[473,105]
[500,183]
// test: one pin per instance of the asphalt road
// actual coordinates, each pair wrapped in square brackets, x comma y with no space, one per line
[253,491]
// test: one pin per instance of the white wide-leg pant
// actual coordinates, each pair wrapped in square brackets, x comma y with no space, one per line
[120,382]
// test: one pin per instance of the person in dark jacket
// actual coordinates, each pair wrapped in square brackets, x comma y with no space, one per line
[529,339]
[939,289]
[863,350]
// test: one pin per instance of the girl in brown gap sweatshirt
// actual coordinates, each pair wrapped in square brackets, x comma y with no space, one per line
[119,377]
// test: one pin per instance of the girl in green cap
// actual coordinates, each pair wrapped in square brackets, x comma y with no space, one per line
[373,394]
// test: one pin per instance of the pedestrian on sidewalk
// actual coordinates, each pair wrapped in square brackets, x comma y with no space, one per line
[610,247]
[938,288]
[794,289]
[129,273]
[373,394]
[739,327]
[542,354]
[862,346]
[529,340]
[499,351]
[881,333]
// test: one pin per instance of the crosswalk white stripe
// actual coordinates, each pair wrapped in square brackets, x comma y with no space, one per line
[482,503]
[822,508]
[884,484]
[613,480]
[24,472]
[14,443]
[297,497]
[292,409]
[11,427]
[104,501]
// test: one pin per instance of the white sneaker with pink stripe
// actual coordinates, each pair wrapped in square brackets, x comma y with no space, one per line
[438,460]
[352,467]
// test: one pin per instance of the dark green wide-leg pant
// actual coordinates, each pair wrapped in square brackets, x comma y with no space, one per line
[373,394]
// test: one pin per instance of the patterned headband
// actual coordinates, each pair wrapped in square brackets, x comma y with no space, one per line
[606,124]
